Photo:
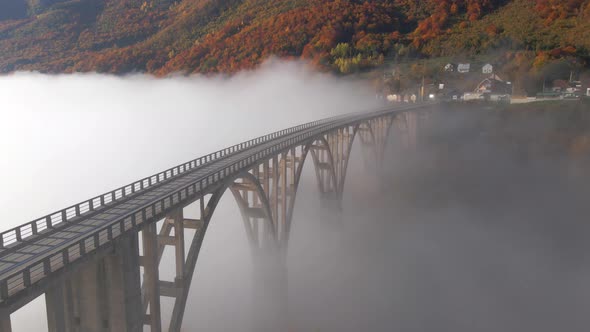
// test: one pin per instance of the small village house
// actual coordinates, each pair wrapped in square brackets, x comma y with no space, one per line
[464,68]
[449,68]
[492,88]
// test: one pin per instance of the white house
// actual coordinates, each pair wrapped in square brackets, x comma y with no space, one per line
[487,69]
[463,68]
[494,89]
[392,98]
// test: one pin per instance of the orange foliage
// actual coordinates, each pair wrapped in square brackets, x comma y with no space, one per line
[309,32]
[553,10]
[492,30]
[164,36]
[433,26]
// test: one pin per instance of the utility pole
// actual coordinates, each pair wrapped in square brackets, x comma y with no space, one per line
[422,90]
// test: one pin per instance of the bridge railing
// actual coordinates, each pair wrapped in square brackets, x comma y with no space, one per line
[71,213]
[13,283]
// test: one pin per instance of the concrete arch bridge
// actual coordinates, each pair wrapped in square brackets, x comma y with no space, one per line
[97,275]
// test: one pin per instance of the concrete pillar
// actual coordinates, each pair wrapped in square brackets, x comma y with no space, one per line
[54,299]
[103,295]
[151,275]
[179,247]
[58,302]
[123,287]
[91,297]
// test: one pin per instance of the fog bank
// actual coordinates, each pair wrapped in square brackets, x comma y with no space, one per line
[459,235]
[85,134]
[466,236]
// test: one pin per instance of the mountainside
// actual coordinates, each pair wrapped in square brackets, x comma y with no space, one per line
[164,36]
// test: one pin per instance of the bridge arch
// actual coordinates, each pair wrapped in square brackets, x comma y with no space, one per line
[337,166]
[254,208]
[242,185]
[310,147]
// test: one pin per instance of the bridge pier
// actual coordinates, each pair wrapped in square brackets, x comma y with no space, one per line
[102,296]
[151,278]
[124,288]
[59,307]
[89,298]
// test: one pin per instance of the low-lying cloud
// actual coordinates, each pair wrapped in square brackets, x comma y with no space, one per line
[458,235]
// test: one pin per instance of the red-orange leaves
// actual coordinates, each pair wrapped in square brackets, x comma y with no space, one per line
[553,10]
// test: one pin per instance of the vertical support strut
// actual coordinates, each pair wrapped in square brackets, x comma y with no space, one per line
[283,215]
[200,227]
[179,247]
[151,276]
[275,191]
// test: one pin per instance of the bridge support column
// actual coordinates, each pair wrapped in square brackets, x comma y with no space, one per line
[151,276]
[58,301]
[102,296]
[89,289]
[124,288]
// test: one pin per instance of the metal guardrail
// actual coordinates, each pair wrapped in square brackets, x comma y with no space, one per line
[54,260]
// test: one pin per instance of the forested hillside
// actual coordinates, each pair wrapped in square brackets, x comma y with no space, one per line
[207,36]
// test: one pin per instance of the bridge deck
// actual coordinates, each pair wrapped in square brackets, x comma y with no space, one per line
[26,260]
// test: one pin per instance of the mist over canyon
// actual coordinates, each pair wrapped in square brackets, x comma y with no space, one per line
[462,233]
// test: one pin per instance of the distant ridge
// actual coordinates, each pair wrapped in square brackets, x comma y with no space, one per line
[209,36]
